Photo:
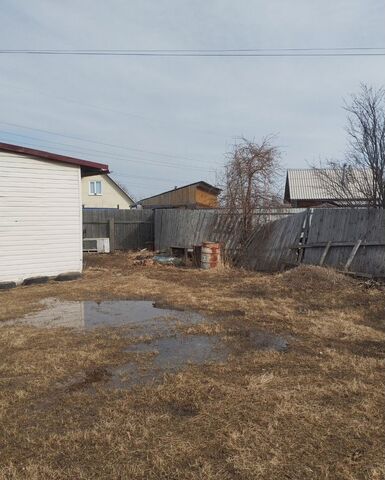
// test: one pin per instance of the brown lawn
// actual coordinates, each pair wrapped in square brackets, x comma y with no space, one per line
[315,411]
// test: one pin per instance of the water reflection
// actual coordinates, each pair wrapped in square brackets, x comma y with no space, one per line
[138,314]
[168,350]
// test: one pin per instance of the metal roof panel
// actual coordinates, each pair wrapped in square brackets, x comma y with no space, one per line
[312,184]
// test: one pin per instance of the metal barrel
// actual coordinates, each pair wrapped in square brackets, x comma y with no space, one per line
[211,255]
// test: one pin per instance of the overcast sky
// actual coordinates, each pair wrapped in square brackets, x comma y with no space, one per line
[162,122]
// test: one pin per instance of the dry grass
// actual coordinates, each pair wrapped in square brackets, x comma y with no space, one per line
[314,412]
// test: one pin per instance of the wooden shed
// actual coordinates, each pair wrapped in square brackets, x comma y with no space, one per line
[195,195]
[40,213]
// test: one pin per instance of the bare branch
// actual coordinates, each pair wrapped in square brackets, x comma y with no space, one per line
[360,177]
[249,180]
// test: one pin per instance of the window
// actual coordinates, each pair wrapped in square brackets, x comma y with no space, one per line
[95,188]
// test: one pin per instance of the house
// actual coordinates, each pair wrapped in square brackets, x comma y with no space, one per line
[40,213]
[101,191]
[195,195]
[307,188]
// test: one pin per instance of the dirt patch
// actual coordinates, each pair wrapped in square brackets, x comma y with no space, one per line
[312,411]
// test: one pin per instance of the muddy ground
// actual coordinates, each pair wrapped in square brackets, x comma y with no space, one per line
[312,411]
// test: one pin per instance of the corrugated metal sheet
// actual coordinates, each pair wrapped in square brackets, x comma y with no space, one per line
[312,184]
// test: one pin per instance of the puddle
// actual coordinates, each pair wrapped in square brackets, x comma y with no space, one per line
[167,355]
[172,354]
[143,317]
[167,352]
[258,340]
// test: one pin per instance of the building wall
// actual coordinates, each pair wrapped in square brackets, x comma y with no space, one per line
[111,196]
[40,218]
[206,199]
[183,197]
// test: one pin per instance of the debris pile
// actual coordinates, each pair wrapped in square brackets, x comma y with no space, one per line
[168,260]
[144,257]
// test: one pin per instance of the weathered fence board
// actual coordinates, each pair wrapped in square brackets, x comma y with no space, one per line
[185,228]
[346,239]
[269,248]
[133,229]
[316,236]
[348,226]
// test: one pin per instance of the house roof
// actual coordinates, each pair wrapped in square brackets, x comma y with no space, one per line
[312,184]
[201,184]
[87,167]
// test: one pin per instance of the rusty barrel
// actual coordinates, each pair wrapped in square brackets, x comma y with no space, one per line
[211,255]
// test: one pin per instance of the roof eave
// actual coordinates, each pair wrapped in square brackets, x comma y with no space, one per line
[87,168]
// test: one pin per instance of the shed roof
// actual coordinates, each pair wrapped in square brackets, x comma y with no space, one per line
[87,167]
[201,184]
[312,184]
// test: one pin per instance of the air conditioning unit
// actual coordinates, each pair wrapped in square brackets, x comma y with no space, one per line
[99,245]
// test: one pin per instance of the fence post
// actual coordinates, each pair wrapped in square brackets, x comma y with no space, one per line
[304,234]
[352,254]
[111,231]
[324,253]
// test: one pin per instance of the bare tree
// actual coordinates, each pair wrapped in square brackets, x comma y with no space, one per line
[360,178]
[249,182]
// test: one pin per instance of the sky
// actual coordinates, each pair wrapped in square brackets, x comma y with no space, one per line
[160,122]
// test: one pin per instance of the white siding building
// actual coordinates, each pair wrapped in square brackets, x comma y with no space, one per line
[40,212]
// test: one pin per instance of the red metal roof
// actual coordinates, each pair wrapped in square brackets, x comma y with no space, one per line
[88,168]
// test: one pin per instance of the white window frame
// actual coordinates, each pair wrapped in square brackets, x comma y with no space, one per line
[94,193]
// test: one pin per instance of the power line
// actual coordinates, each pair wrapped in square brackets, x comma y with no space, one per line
[154,121]
[166,181]
[105,155]
[256,52]
[121,147]
[41,143]
[252,52]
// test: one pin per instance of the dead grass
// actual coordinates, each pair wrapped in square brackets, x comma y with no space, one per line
[314,412]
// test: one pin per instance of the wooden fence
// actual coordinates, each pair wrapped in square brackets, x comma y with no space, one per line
[351,240]
[269,248]
[185,228]
[347,239]
[126,229]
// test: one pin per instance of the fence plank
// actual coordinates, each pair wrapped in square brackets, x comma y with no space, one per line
[133,229]
[111,231]
[269,248]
